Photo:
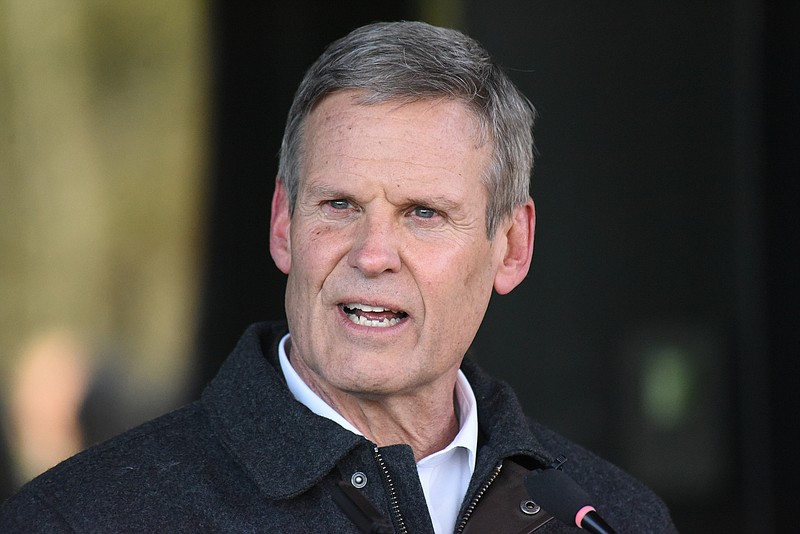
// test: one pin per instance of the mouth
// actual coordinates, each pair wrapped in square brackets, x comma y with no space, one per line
[374,316]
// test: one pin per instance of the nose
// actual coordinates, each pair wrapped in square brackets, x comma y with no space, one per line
[376,246]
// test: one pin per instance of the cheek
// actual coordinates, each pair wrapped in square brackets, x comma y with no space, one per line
[464,276]
[315,254]
[472,266]
[310,234]
[310,243]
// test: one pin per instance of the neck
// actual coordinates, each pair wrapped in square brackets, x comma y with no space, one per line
[426,427]
[426,419]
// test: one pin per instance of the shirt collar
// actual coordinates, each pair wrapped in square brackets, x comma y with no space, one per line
[467,436]
[248,400]
[305,395]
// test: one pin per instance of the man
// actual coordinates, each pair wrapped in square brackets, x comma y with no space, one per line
[401,203]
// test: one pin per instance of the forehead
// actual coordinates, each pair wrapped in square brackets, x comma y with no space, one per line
[438,136]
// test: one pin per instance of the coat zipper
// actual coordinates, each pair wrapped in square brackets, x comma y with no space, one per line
[472,505]
[393,504]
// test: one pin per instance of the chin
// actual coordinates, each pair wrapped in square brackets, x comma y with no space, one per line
[369,386]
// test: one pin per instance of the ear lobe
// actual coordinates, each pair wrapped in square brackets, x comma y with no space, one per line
[519,249]
[280,246]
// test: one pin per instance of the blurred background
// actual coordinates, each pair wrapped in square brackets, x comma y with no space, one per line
[658,326]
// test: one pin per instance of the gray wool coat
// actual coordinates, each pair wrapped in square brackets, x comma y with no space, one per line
[246,457]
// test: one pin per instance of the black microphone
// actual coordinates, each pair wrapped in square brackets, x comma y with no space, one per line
[556,492]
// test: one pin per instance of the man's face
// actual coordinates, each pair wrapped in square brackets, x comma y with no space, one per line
[390,269]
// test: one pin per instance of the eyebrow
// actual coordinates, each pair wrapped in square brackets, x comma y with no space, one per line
[325,191]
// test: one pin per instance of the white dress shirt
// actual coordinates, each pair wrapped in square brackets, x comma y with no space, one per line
[445,474]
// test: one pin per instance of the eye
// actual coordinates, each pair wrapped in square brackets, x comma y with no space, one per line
[424,213]
[339,204]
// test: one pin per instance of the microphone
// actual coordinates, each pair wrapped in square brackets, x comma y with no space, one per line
[556,492]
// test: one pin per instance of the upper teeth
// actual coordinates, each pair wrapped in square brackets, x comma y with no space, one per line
[363,321]
[368,308]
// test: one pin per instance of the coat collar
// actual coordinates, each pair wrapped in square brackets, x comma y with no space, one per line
[282,445]
[287,449]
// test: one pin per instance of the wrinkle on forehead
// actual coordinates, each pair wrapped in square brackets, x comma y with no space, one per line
[391,104]
[394,132]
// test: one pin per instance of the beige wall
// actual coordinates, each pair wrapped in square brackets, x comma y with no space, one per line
[103,121]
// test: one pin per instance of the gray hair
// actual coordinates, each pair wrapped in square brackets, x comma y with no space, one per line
[412,61]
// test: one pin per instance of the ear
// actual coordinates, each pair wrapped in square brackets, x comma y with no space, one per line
[280,246]
[519,248]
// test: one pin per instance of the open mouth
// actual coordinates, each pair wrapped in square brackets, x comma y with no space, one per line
[377,316]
